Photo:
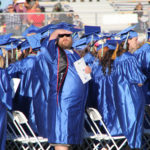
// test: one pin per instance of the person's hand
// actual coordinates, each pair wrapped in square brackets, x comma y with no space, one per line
[140,84]
[55,34]
[88,70]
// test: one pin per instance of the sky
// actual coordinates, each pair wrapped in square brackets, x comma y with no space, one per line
[5,3]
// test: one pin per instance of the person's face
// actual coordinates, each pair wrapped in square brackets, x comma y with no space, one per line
[65,41]
[10,9]
[139,7]
[133,43]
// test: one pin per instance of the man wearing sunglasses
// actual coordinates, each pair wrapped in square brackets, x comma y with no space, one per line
[67,94]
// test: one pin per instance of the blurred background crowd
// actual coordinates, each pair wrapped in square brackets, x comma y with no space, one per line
[111,15]
[20,14]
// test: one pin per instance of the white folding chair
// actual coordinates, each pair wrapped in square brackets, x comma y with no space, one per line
[100,139]
[21,136]
[146,134]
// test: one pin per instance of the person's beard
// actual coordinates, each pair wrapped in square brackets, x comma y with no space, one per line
[66,44]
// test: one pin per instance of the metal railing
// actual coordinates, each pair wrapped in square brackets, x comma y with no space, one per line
[17,23]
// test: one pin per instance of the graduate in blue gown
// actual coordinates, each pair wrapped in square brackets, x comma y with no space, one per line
[122,88]
[101,95]
[143,57]
[67,95]
[5,103]
[129,96]
[25,99]
[5,92]
[55,80]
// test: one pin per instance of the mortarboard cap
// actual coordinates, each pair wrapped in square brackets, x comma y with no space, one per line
[88,30]
[4,38]
[113,43]
[12,44]
[24,45]
[31,29]
[128,33]
[65,26]
[34,40]
[80,44]
[44,29]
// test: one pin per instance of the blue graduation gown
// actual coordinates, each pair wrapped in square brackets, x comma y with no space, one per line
[5,103]
[62,121]
[101,95]
[23,99]
[129,97]
[143,57]
[66,99]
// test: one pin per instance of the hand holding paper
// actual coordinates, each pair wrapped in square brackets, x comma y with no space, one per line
[83,70]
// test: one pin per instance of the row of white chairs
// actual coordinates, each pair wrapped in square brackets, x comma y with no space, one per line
[20,136]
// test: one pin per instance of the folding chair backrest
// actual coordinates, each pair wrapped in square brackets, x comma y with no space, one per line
[22,132]
[94,114]
[100,131]
[20,117]
[146,134]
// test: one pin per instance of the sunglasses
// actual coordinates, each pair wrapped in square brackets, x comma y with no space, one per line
[10,8]
[62,35]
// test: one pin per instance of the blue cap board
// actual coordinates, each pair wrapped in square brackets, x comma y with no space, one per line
[31,29]
[63,25]
[88,30]
[111,44]
[128,33]
[4,38]
[24,45]
[34,40]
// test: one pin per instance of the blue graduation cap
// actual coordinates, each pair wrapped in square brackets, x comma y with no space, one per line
[12,43]
[44,29]
[24,45]
[34,40]
[4,38]
[127,33]
[79,44]
[48,29]
[112,44]
[88,30]
[108,35]
[31,29]
[65,26]
[101,45]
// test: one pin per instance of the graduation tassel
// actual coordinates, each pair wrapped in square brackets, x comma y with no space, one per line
[16,54]
[125,43]
[91,48]
[114,55]
[73,34]
[12,54]
[6,59]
